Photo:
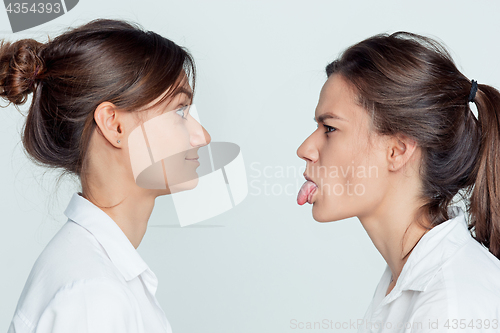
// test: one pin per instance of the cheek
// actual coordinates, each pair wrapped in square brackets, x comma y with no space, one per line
[369,179]
[339,160]
[351,180]
[179,138]
[166,135]
[176,142]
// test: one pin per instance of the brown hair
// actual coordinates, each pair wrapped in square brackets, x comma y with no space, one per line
[103,60]
[410,85]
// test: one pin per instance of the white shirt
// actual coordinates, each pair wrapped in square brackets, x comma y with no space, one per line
[90,279]
[450,283]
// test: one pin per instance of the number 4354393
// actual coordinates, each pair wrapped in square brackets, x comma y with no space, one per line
[25,8]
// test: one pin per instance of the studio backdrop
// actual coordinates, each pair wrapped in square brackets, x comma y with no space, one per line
[258,262]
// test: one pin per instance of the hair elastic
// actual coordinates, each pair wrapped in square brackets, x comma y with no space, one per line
[35,73]
[473,90]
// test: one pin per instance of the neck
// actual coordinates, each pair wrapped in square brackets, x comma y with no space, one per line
[394,230]
[111,187]
[130,212]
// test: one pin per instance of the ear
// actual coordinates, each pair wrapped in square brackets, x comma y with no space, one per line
[109,123]
[400,151]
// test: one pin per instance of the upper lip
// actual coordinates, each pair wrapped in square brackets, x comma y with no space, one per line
[192,158]
[308,178]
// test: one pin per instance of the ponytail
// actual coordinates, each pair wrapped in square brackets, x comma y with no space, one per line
[484,208]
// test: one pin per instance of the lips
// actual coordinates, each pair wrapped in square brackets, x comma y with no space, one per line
[193,160]
[307,191]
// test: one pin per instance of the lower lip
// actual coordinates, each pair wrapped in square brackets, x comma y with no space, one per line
[194,161]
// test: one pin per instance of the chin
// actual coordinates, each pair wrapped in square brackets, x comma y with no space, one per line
[185,186]
[159,193]
[320,214]
[320,217]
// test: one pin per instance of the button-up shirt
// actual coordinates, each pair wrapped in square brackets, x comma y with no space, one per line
[450,283]
[88,279]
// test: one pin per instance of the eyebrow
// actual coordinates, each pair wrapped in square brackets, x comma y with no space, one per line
[328,115]
[185,91]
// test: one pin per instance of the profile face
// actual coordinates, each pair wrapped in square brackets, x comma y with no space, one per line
[345,158]
[164,147]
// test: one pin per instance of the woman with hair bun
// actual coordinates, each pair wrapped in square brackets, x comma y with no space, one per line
[92,86]
[395,116]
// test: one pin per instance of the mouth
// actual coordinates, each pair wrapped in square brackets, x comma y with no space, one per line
[307,177]
[193,160]
[307,191]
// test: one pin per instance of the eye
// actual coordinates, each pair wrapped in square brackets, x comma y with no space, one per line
[181,111]
[329,129]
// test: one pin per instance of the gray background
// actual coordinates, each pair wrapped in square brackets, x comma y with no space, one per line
[261,66]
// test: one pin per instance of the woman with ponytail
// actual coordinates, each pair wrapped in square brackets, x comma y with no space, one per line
[396,109]
[91,87]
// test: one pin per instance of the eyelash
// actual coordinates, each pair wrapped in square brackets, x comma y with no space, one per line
[329,129]
[181,109]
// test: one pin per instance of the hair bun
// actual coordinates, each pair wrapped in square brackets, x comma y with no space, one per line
[20,67]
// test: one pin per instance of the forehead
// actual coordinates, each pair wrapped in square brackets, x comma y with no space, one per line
[336,89]
[181,89]
[338,96]
[181,86]
[167,101]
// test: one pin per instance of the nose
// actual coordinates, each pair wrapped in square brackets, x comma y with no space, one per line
[307,150]
[208,138]
[198,135]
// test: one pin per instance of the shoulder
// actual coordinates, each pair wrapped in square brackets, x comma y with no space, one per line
[84,292]
[473,272]
[73,253]
[95,297]
[467,286]
[473,283]
[92,305]
[73,262]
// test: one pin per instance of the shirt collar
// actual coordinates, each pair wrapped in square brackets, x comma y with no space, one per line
[116,244]
[432,251]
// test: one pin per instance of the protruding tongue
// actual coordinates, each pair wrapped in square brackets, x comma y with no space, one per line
[305,192]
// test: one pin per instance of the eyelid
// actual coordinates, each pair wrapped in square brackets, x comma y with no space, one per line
[182,109]
[333,129]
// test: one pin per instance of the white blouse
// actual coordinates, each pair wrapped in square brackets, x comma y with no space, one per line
[90,279]
[450,283]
